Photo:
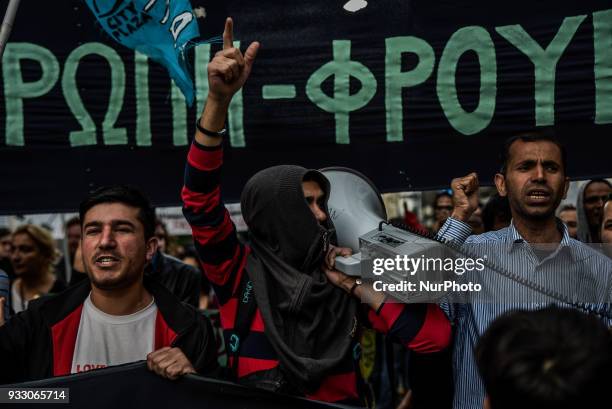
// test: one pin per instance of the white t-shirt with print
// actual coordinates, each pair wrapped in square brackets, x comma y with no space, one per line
[104,340]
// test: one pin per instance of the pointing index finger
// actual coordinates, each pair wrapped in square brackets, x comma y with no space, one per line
[228,34]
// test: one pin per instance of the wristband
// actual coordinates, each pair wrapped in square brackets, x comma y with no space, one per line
[355,284]
[205,131]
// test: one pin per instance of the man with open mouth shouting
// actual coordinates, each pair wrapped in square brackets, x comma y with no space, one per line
[115,317]
[535,248]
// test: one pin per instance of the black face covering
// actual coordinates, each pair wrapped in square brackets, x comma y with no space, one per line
[308,320]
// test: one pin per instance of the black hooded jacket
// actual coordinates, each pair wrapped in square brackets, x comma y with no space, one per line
[293,298]
[309,322]
[36,343]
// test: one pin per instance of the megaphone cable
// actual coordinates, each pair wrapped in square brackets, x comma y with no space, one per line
[591,309]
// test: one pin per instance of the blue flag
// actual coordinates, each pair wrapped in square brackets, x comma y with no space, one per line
[159,29]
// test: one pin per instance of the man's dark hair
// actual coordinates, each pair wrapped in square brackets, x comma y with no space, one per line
[4,231]
[122,194]
[532,136]
[597,180]
[160,223]
[314,176]
[442,193]
[497,206]
[551,358]
[73,221]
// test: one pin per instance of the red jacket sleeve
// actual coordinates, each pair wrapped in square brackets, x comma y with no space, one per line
[423,328]
[221,254]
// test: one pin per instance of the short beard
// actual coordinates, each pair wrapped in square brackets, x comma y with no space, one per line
[115,284]
[518,208]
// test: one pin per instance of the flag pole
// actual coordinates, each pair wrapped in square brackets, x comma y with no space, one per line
[7,24]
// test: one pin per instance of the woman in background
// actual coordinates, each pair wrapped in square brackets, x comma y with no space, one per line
[34,253]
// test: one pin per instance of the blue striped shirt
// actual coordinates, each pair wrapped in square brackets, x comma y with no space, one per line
[472,319]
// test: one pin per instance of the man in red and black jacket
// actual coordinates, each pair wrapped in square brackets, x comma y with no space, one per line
[302,317]
[116,316]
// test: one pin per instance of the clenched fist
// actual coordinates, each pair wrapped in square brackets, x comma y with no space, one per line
[465,196]
[169,363]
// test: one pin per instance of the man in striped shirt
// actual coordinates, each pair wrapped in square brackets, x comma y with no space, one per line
[302,332]
[533,177]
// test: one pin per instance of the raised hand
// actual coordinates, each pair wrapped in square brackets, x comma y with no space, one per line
[229,69]
[465,196]
[333,252]
[227,73]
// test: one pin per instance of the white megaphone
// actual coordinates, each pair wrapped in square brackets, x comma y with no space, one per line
[356,208]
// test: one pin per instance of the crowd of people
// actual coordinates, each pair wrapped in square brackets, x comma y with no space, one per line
[290,322]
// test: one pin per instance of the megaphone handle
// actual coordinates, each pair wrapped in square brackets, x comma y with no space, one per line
[350,266]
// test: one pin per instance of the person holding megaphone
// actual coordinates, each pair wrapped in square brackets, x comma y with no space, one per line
[291,321]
